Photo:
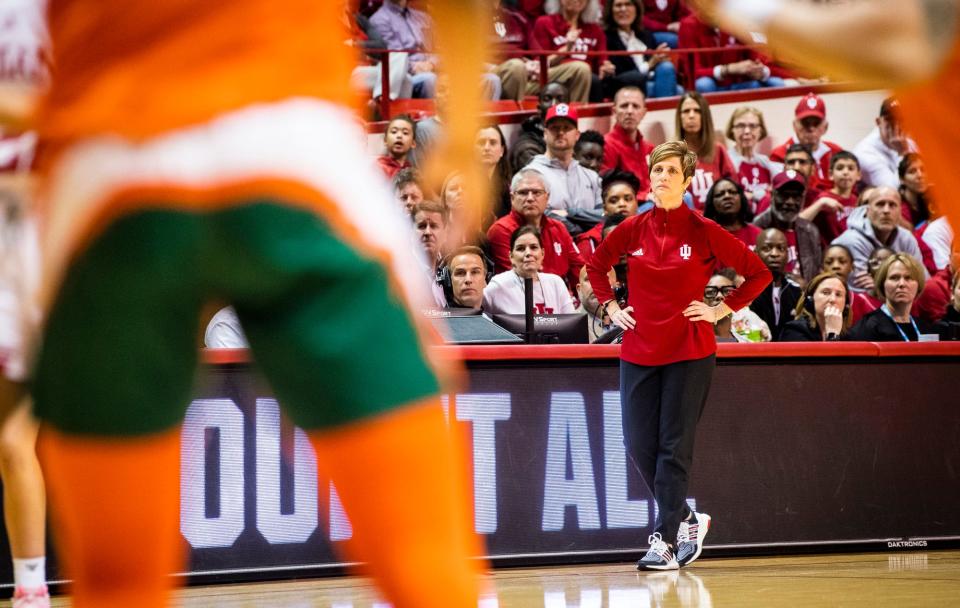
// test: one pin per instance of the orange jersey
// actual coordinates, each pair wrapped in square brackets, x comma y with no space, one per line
[139,69]
[928,111]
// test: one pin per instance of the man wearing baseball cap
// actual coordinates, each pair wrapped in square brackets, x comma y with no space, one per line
[809,126]
[803,237]
[880,151]
[574,189]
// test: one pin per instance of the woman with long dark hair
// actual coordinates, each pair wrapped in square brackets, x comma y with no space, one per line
[914,205]
[669,349]
[694,126]
[492,152]
[654,74]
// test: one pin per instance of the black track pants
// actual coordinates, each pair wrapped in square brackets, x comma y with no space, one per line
[661,408]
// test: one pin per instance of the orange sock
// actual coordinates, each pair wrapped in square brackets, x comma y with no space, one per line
[115,506]
[402,480]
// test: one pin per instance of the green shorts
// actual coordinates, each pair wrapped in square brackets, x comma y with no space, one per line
[119,352]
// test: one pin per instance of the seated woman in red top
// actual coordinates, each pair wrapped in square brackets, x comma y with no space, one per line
[669,348]
[822,314]
[694,125]
[728,206]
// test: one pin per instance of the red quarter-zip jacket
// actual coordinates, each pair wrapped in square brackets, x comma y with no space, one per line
[670,257]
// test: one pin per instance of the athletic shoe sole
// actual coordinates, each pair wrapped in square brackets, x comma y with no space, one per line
[653,567]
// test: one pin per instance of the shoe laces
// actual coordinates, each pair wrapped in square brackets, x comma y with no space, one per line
[688,530]
[659,547]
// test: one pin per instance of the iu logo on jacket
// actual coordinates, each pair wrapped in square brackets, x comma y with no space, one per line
[686,251]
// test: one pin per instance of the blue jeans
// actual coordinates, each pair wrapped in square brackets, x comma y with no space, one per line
[670,38]
[663,81]
[706,84]
[424,85]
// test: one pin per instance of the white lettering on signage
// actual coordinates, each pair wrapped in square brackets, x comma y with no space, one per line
[275,526]
[621,513]
[483,411]
[199,530]
[568,432]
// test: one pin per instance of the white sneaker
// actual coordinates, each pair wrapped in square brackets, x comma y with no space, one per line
[690,538]
[659,557]
[34,597]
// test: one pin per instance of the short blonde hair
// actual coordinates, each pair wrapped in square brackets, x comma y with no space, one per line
[675,148]
[740,112]
[912,266]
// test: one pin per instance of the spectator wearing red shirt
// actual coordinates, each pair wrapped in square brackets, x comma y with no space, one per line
[755,171]
[399,138]
[529,193]
[727,205]
[624,147]
[519,72]
[830,211]
[809,126]
[619,193]
[805,253]
[571,26]
[694,125]
[668,351]
[662,19]
[915,209]
[729,69]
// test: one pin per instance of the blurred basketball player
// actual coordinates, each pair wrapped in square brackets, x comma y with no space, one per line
[23,73]
[200,149]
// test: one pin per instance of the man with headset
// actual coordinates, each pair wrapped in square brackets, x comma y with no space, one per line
[464,278]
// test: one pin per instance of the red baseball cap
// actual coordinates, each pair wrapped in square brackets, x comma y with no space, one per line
[788,177]
[811,105]
[561,110]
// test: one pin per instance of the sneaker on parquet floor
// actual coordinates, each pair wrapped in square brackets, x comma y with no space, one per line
[659,557]
[690,538]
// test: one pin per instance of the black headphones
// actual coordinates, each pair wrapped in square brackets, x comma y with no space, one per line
[445,277]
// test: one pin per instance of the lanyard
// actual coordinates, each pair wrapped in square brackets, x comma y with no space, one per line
[887,312]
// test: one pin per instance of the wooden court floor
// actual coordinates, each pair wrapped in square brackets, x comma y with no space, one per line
[856,580]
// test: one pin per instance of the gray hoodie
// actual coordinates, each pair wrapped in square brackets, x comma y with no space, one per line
[575,189]
[860,239]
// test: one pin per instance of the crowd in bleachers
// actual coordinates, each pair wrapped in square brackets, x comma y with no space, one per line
[853,238]
[811,210]
[593,48]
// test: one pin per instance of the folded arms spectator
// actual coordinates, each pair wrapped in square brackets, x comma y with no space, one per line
[653,74]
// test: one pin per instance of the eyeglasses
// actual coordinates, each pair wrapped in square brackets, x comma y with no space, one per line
[535,192]
[742,126]
[711,292]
